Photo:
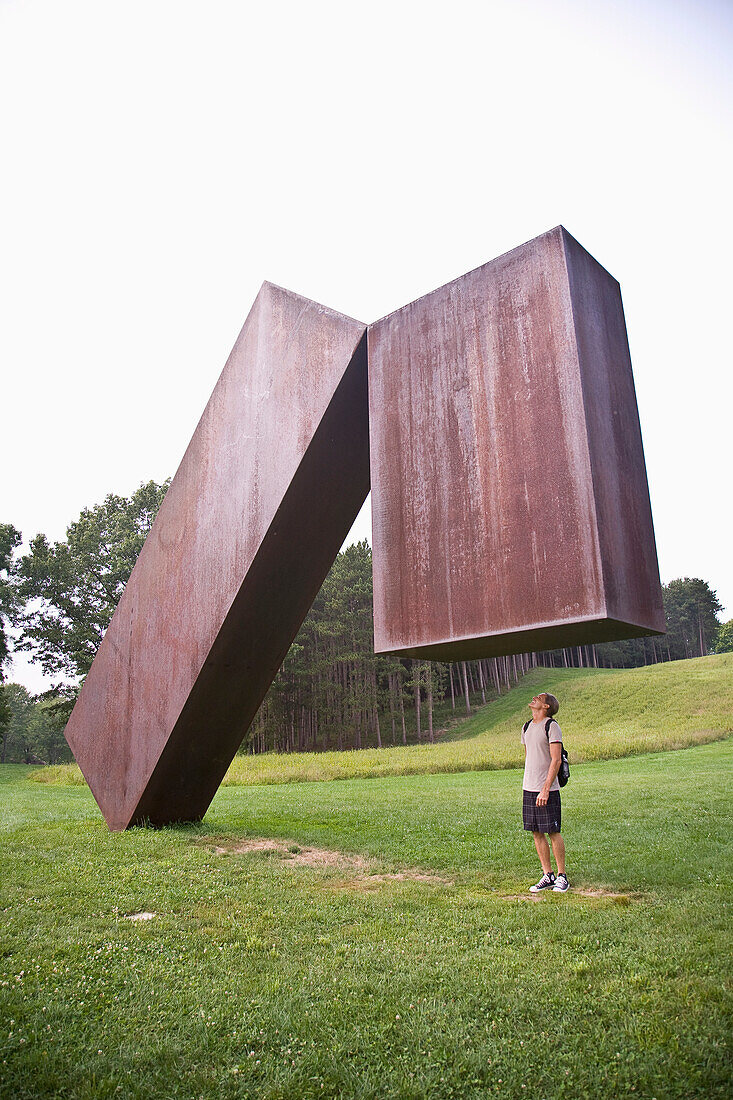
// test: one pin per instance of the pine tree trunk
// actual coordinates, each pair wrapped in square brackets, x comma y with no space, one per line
[340,726]
[481,682]
[416,684]
[465,686]
[375,705]
[358,710]
[391,707]
[430,703]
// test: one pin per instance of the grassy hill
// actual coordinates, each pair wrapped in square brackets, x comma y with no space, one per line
[604,714]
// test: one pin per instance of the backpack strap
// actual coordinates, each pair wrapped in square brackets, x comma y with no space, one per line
[548,723]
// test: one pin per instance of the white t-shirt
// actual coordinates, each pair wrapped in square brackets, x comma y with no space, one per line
[537,763]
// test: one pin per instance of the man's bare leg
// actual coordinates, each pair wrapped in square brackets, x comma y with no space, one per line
[558,850]
[543,851]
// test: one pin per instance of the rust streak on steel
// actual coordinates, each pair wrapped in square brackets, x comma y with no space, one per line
[270,484]
[510,508]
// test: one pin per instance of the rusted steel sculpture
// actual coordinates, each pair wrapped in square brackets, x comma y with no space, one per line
[510,510]
[270,484]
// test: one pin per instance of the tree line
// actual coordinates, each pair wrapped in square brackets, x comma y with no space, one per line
[332,691]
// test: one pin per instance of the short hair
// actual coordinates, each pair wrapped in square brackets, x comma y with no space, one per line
[552,704]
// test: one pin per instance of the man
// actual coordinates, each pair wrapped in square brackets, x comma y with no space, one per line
[541,803]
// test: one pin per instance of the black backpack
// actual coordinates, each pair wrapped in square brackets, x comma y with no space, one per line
[564,772]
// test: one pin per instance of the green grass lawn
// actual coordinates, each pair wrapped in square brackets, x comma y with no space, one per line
[604,714]
[274,974]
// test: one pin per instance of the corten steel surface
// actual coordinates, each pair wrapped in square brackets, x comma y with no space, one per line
[270,484]
[510,508]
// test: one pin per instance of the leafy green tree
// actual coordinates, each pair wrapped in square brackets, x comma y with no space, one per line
[724,638]
[10,538]
[70,589]
[46,733]
[4,720]
[17,747]
[34,732]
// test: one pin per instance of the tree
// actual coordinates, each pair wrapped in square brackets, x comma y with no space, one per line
[691,609]
[46,733]
[70,589]
[34,730]
[10,538]
[5,717]
[16,746]
[724,638]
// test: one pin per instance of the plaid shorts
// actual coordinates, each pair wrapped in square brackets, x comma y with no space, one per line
[541,819]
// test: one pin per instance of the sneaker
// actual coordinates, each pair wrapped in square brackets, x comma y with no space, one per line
[547,882]
[562,884]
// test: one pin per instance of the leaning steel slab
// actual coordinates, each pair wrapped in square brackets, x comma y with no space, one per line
[510,508]
[270,484]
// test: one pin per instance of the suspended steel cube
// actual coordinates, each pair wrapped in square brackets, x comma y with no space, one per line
[270,484]
[510,507]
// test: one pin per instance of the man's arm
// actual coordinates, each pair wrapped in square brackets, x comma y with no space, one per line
[555,759]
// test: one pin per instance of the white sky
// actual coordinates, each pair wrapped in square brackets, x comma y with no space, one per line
[161,158]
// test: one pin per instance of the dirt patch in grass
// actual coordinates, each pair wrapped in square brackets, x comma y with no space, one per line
[360,870]
[369,881]
[358,873]
[585,892]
